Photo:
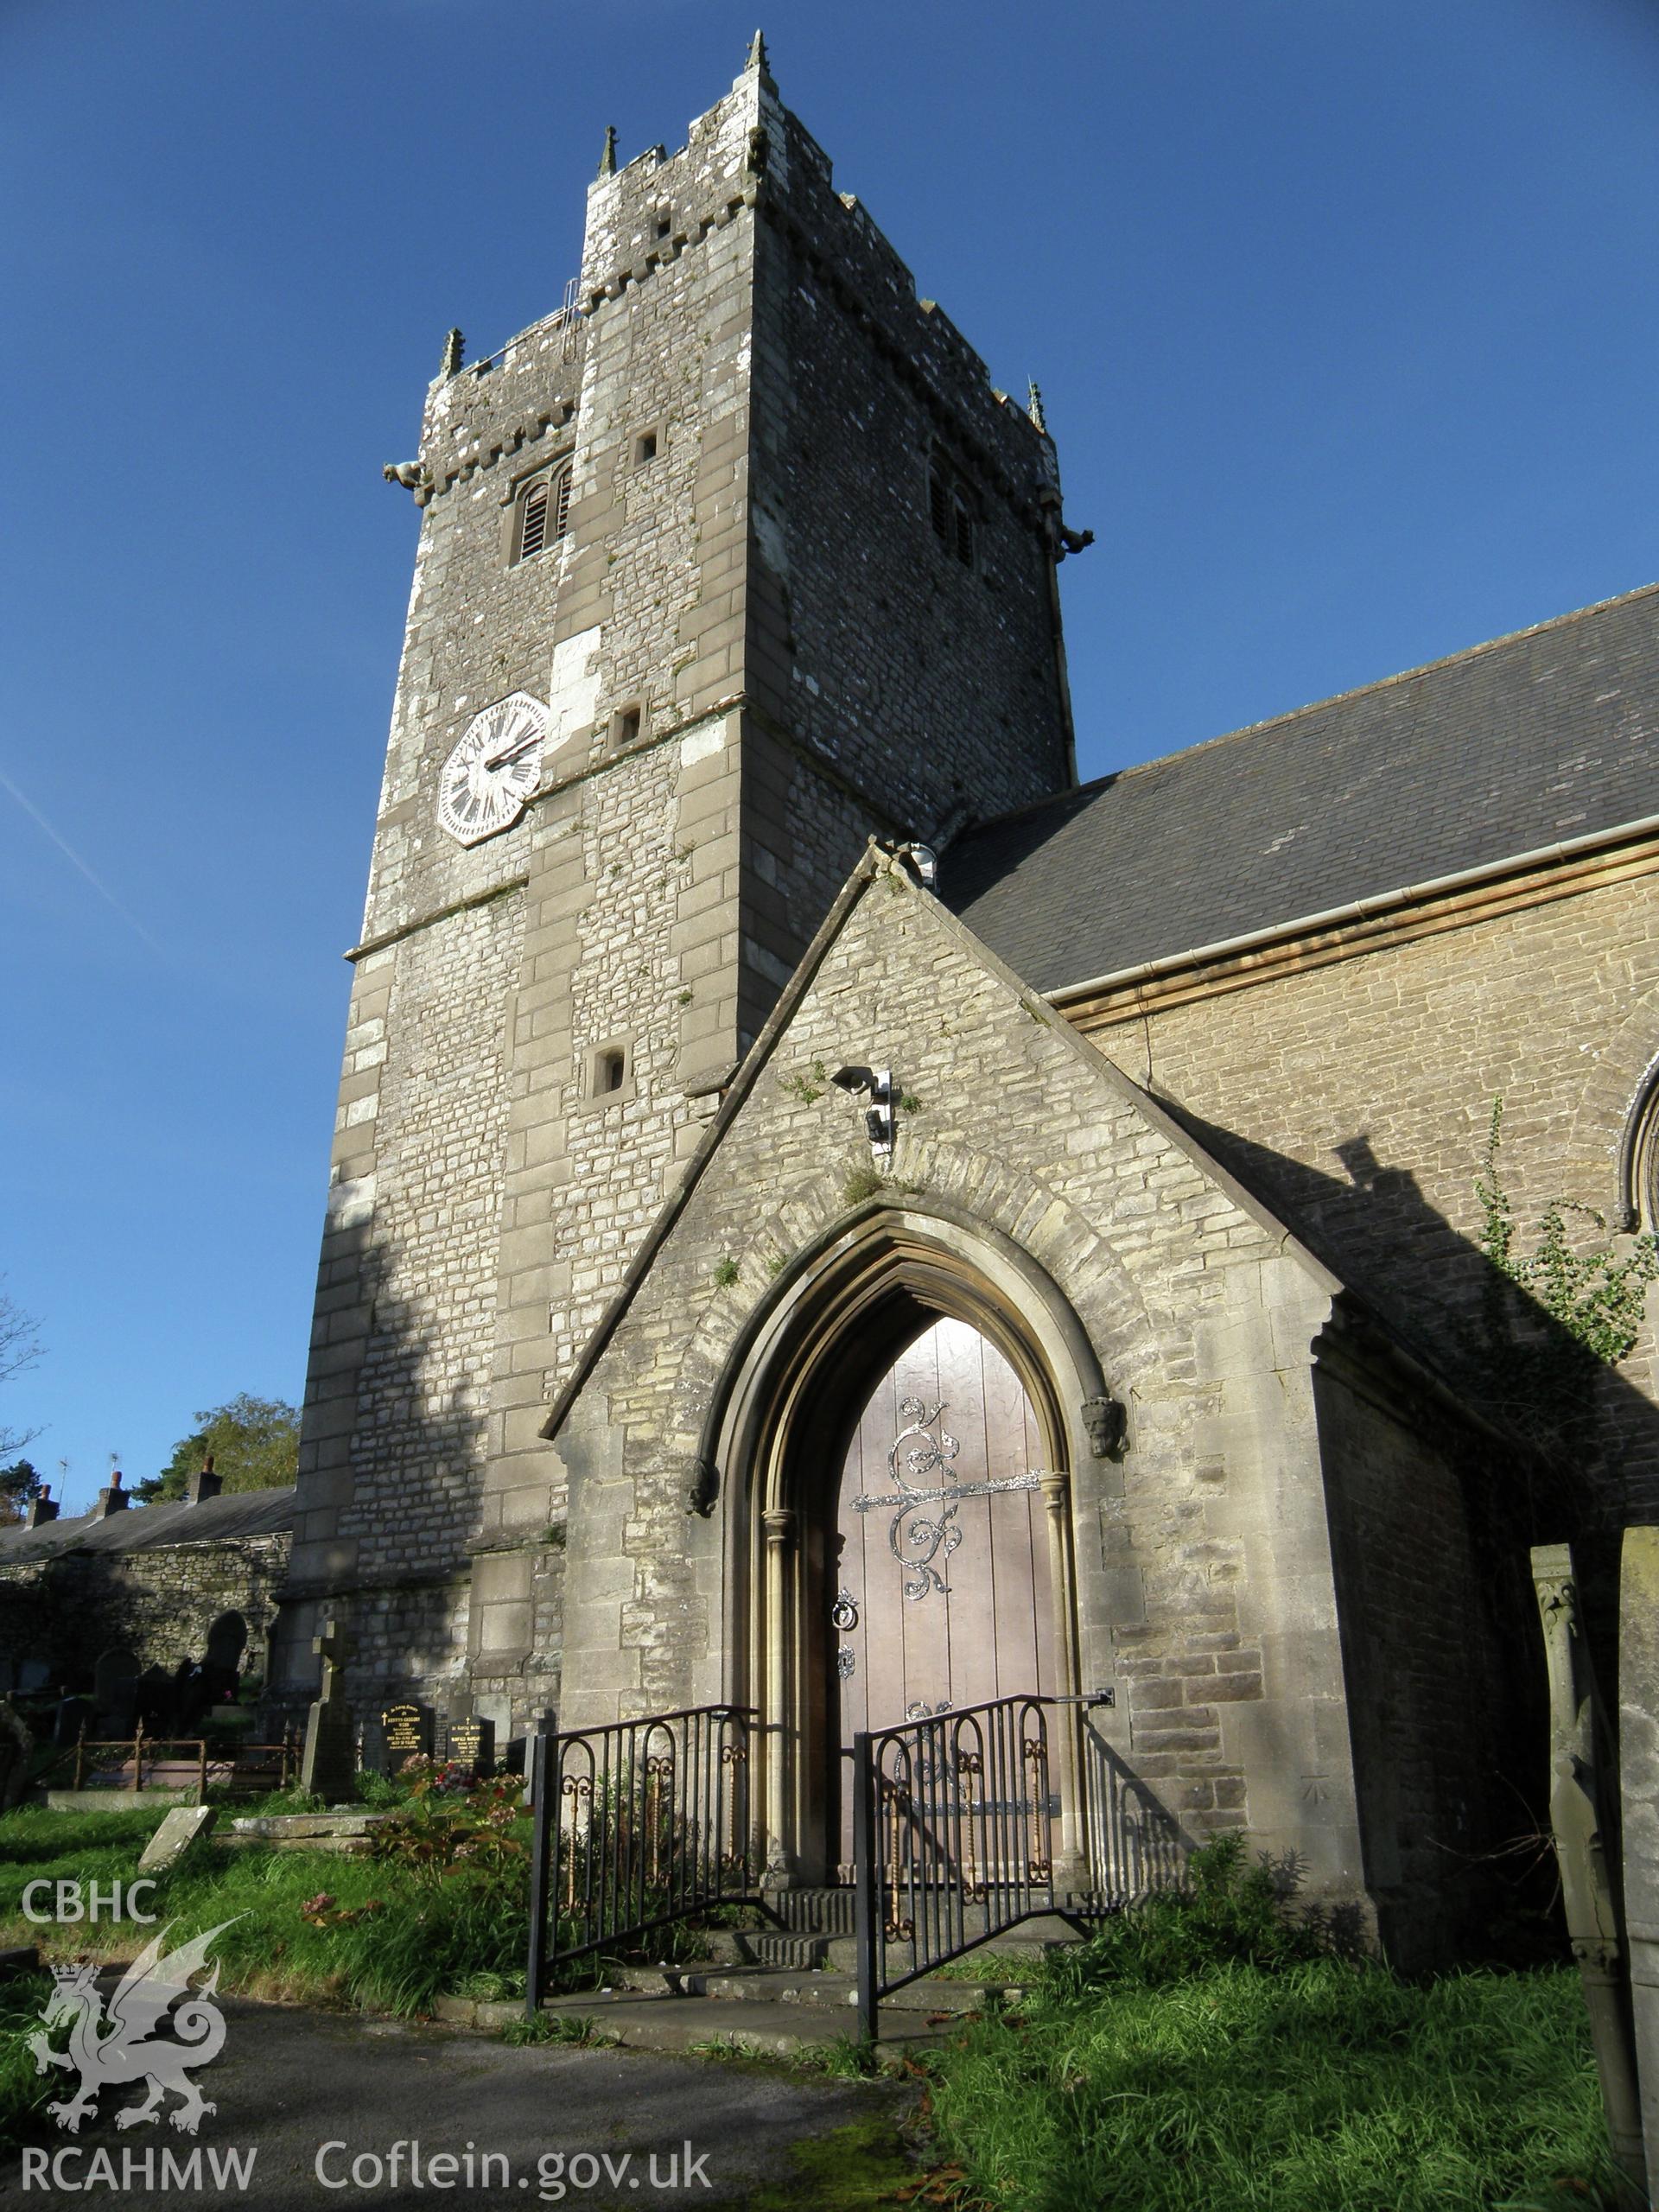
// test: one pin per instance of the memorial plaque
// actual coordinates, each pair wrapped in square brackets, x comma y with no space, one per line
[408,1731]
[471,1744]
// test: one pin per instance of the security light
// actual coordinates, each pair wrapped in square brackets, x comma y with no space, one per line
[878,1121]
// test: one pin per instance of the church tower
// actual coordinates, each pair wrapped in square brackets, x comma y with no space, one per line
[731,562]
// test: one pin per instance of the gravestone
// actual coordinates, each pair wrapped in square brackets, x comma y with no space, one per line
[74,1714]
[329,1763]
[115,1693]
[471,1744]
[1638,1750]
[178,1831]
[221,1664]
[406,1731]
[17,1746]
[1581,1824]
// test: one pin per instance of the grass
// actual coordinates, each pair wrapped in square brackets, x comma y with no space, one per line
[1214,2052]
[1326,2088]
[23,2092]
[1210,2053]
[557,2027]
[390,1938]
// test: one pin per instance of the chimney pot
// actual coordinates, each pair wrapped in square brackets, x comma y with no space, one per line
[112,1498]
[207,1484]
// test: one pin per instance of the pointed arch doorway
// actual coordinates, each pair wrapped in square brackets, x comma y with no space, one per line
[939,1582]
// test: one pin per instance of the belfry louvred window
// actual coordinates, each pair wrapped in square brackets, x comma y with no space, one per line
[532,534]
[951,511]
[938,500]
[544,513]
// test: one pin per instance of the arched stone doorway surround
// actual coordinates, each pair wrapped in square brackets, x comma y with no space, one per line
[792,1386]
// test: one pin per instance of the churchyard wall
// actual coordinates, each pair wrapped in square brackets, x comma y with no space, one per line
[58,1615]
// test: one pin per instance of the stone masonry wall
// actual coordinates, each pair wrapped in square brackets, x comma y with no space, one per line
[1359,1095]
[1429,1533]
[160,1604]
[931,683]
[1203,1575]
[486,1191]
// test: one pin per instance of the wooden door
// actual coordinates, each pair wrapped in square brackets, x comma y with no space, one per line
[940,1589]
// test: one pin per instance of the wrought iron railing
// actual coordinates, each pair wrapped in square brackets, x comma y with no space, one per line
[635,1825]
[1133,1845]
[138,1761]
[957,1820]
[954,1822]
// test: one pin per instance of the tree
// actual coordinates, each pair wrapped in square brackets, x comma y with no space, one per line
[19,1486]
[255,1442]
[19,1348]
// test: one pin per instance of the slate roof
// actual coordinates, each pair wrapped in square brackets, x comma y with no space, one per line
[1542,737]
[141,1528]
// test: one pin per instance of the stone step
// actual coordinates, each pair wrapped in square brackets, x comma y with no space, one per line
[830,1913]
[765,1946]
[824,1991]
[639,2021]
[814,1912]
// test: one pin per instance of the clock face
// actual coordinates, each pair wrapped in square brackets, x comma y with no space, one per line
[493,769]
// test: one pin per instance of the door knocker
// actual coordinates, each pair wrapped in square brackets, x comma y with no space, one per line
[844,1613]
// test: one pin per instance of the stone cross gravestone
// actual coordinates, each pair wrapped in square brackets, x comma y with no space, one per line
[329,1763]
[407,1733]
[1638,1749]
[471,1744]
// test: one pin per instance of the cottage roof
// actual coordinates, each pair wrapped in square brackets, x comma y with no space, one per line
[1543,738]
[143,1527]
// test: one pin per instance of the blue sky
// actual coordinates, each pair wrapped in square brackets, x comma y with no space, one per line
[1344,315]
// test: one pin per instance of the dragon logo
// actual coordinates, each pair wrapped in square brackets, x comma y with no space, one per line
[120,2046]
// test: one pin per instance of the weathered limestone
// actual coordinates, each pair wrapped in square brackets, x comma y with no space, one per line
[1224,1580]
[183,1826]
[739,643]
[329,1763]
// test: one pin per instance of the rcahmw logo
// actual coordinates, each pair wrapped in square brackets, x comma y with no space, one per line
[109,2050]
[62,2169]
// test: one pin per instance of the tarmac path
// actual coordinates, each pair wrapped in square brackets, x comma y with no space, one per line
[339,2110]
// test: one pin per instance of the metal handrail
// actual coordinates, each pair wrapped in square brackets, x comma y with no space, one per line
[952,1823]
[634,1824]
[1135,1843]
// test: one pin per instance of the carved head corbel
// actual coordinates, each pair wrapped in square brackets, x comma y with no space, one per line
[1106,1424]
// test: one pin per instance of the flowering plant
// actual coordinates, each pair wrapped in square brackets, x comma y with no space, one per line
[438,1835]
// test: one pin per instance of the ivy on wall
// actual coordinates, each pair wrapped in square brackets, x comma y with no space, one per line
[1595,1296]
